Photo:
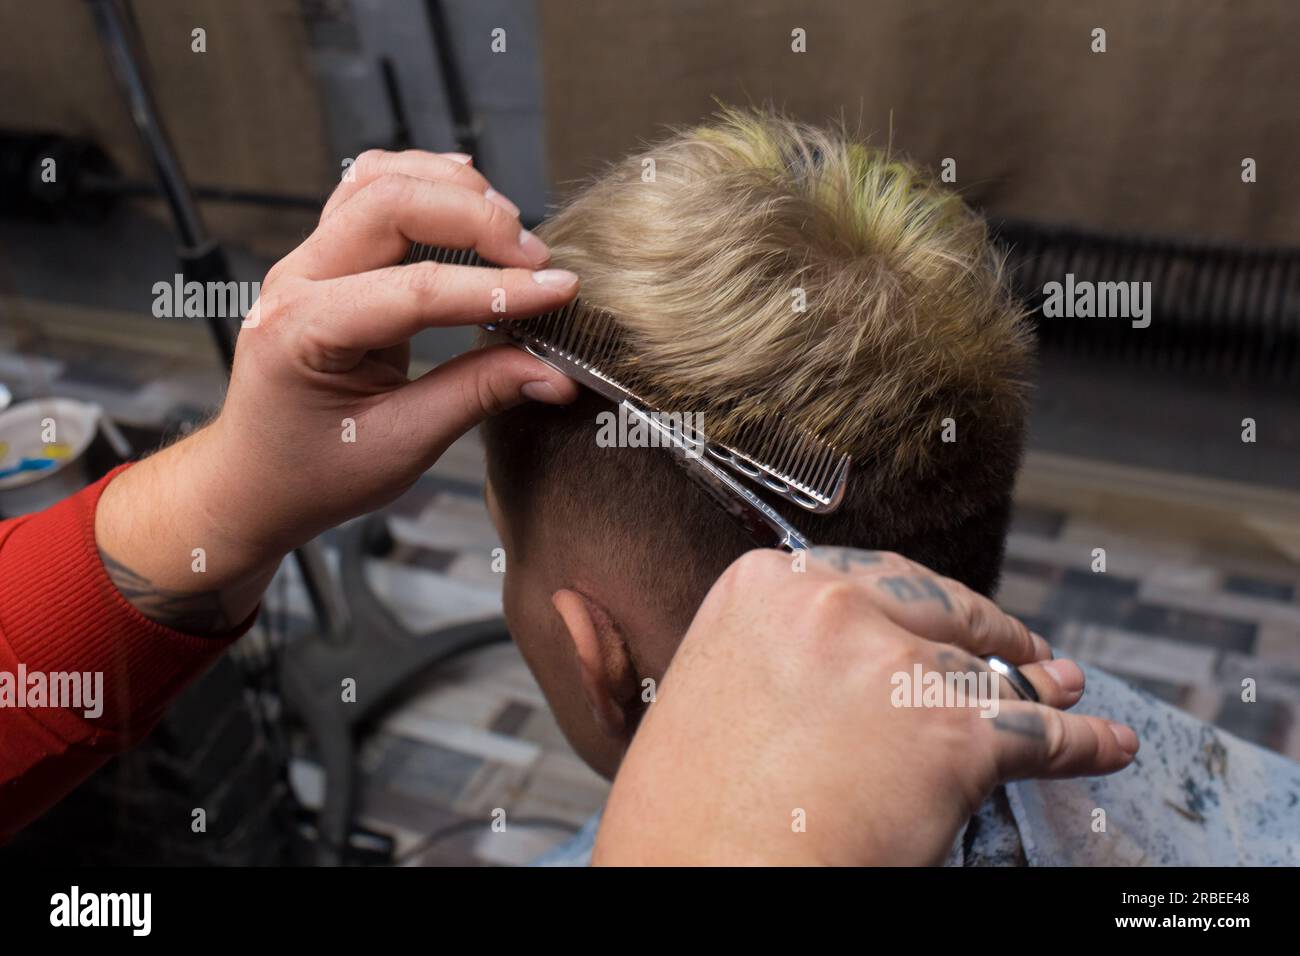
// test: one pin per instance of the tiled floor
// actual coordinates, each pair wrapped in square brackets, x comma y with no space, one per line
[1185,621]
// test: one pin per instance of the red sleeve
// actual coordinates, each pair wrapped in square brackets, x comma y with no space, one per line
[60,614]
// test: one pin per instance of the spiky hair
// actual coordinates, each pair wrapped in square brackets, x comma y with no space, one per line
[704,247]
[762,268]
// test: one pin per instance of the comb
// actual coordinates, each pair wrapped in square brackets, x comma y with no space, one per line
[581,342]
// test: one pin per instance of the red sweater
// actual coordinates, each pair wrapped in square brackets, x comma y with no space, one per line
[59,612]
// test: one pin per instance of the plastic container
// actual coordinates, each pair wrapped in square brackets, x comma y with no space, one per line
[23,428]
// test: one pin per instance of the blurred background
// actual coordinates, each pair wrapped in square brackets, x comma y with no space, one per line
[1161,149]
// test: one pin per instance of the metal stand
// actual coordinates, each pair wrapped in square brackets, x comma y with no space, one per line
[383,661]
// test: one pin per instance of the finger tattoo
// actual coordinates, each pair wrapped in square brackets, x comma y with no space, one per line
[917,588]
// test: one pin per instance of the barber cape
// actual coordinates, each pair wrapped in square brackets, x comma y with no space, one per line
[1194,796]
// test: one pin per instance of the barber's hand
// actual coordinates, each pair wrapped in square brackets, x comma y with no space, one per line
[775,736]
[321,422]
[327,346]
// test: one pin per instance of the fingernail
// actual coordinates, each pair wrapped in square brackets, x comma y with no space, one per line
[540,392]
[562,280]
[1040,642]
[1125,737]
[493,196]
[533,247]
[462,158]
[1067,674]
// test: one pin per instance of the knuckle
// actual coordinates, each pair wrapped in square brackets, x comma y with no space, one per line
[892,653]
[422,278]
[490,394]
[389,189]
[974,622]
[278,306]
[731,581]
[1054,735]
[498,279]
[836,600]
[272,275]
[893,561]
[887,563]
[957,731]
[466,176]
[1028,646]
[495,218]
[371,162]
[312,344]
[751,570]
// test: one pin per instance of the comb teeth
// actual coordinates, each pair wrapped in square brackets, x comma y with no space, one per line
[796,465]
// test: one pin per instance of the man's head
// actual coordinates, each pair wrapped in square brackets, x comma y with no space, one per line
[759,270]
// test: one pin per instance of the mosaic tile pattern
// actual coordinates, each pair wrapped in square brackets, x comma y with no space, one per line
[1184,623]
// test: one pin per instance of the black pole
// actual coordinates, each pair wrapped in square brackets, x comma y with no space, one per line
[457,100]
[201,258]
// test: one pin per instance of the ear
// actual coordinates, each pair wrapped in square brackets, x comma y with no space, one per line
[605,665]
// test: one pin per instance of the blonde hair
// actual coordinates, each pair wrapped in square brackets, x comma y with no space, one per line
[703,246]
[698,247]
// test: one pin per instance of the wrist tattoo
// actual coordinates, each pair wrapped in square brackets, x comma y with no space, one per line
[194,612]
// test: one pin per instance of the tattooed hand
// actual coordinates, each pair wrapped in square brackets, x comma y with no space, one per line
[841,714]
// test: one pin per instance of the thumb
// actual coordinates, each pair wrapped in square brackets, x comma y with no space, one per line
[460,393]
